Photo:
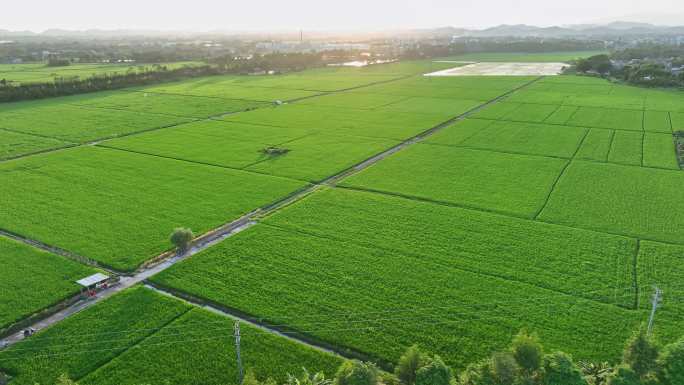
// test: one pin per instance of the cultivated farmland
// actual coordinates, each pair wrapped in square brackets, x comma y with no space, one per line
[546,204]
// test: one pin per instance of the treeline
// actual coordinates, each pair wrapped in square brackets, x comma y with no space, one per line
[63,86]
[525,362]
[469,45]
[650,66]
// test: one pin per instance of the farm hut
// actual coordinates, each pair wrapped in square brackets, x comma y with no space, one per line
[93,282]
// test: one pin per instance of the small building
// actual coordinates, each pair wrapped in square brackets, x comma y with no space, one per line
[93,282]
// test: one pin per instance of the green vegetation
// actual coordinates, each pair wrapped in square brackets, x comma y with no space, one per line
[34,280]
[523,56]
[13,144]
[616,199]
[136,336]
[97,202]
[470,178]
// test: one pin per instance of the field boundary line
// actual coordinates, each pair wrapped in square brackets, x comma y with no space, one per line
[635,273]
[283,331]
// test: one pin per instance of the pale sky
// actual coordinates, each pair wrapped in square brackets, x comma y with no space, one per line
[264,15]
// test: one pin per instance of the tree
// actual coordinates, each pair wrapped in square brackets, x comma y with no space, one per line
[181,238]
[560,370]
[307,378]
[596,374]
[624,375]
[65,380]
[409,363]
[479,373]
[640,354]
[3,378]
[671,364]
[528,352]
[357,373]
[435,373]
[504,368]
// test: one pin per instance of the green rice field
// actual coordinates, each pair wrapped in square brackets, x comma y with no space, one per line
[449,212]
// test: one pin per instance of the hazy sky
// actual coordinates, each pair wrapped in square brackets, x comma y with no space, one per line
[38,15]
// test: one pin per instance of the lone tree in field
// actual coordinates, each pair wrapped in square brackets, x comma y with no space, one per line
[181,238]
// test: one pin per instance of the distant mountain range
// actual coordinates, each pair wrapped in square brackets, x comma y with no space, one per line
[613,29]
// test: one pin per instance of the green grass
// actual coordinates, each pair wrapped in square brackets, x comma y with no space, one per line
[472,178]
[14,144]
[526,138]
[659,151]
[77,124]
[633,201]
[460,131]
[561,115]
[91,338]
[497,111]
[626,148]
[530,113]
[199,347]
[394,272]
[119,207]
[34,280]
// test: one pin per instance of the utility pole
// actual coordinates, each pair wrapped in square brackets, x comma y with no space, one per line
[236,333]
[655,301]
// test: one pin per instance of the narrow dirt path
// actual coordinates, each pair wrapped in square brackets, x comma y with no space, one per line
[166,260]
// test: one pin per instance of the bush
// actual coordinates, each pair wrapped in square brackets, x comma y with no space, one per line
[409,363]
[624,375]
[181,238]
[528,352]
[504,368]
[641,354]
[671,364]
[479,373]
[357,373]
[435,373]
[560,370]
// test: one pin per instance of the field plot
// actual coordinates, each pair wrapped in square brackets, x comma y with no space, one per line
[607,118]
[466,87]
[196,346]
[34,280]
[77,124]
[97,202]
[661,265]
[14,144]
[659,151]
[309,156]
[596,145]
[138,335]
[445,290]
[41,73]
[472,178]
[626,148]
[177,105]
[108,328]
[524,138]
[627,200]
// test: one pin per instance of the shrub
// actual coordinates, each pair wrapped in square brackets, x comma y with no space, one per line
[504,368]
[671,364]
[528,352]
[479,373]
[624,375]
[641,354]
[560,370]
[181,238]
[357,373]
[409,363]
[435,373]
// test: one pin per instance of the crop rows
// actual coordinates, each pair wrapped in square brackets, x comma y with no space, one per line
[33,280]
[138,335]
